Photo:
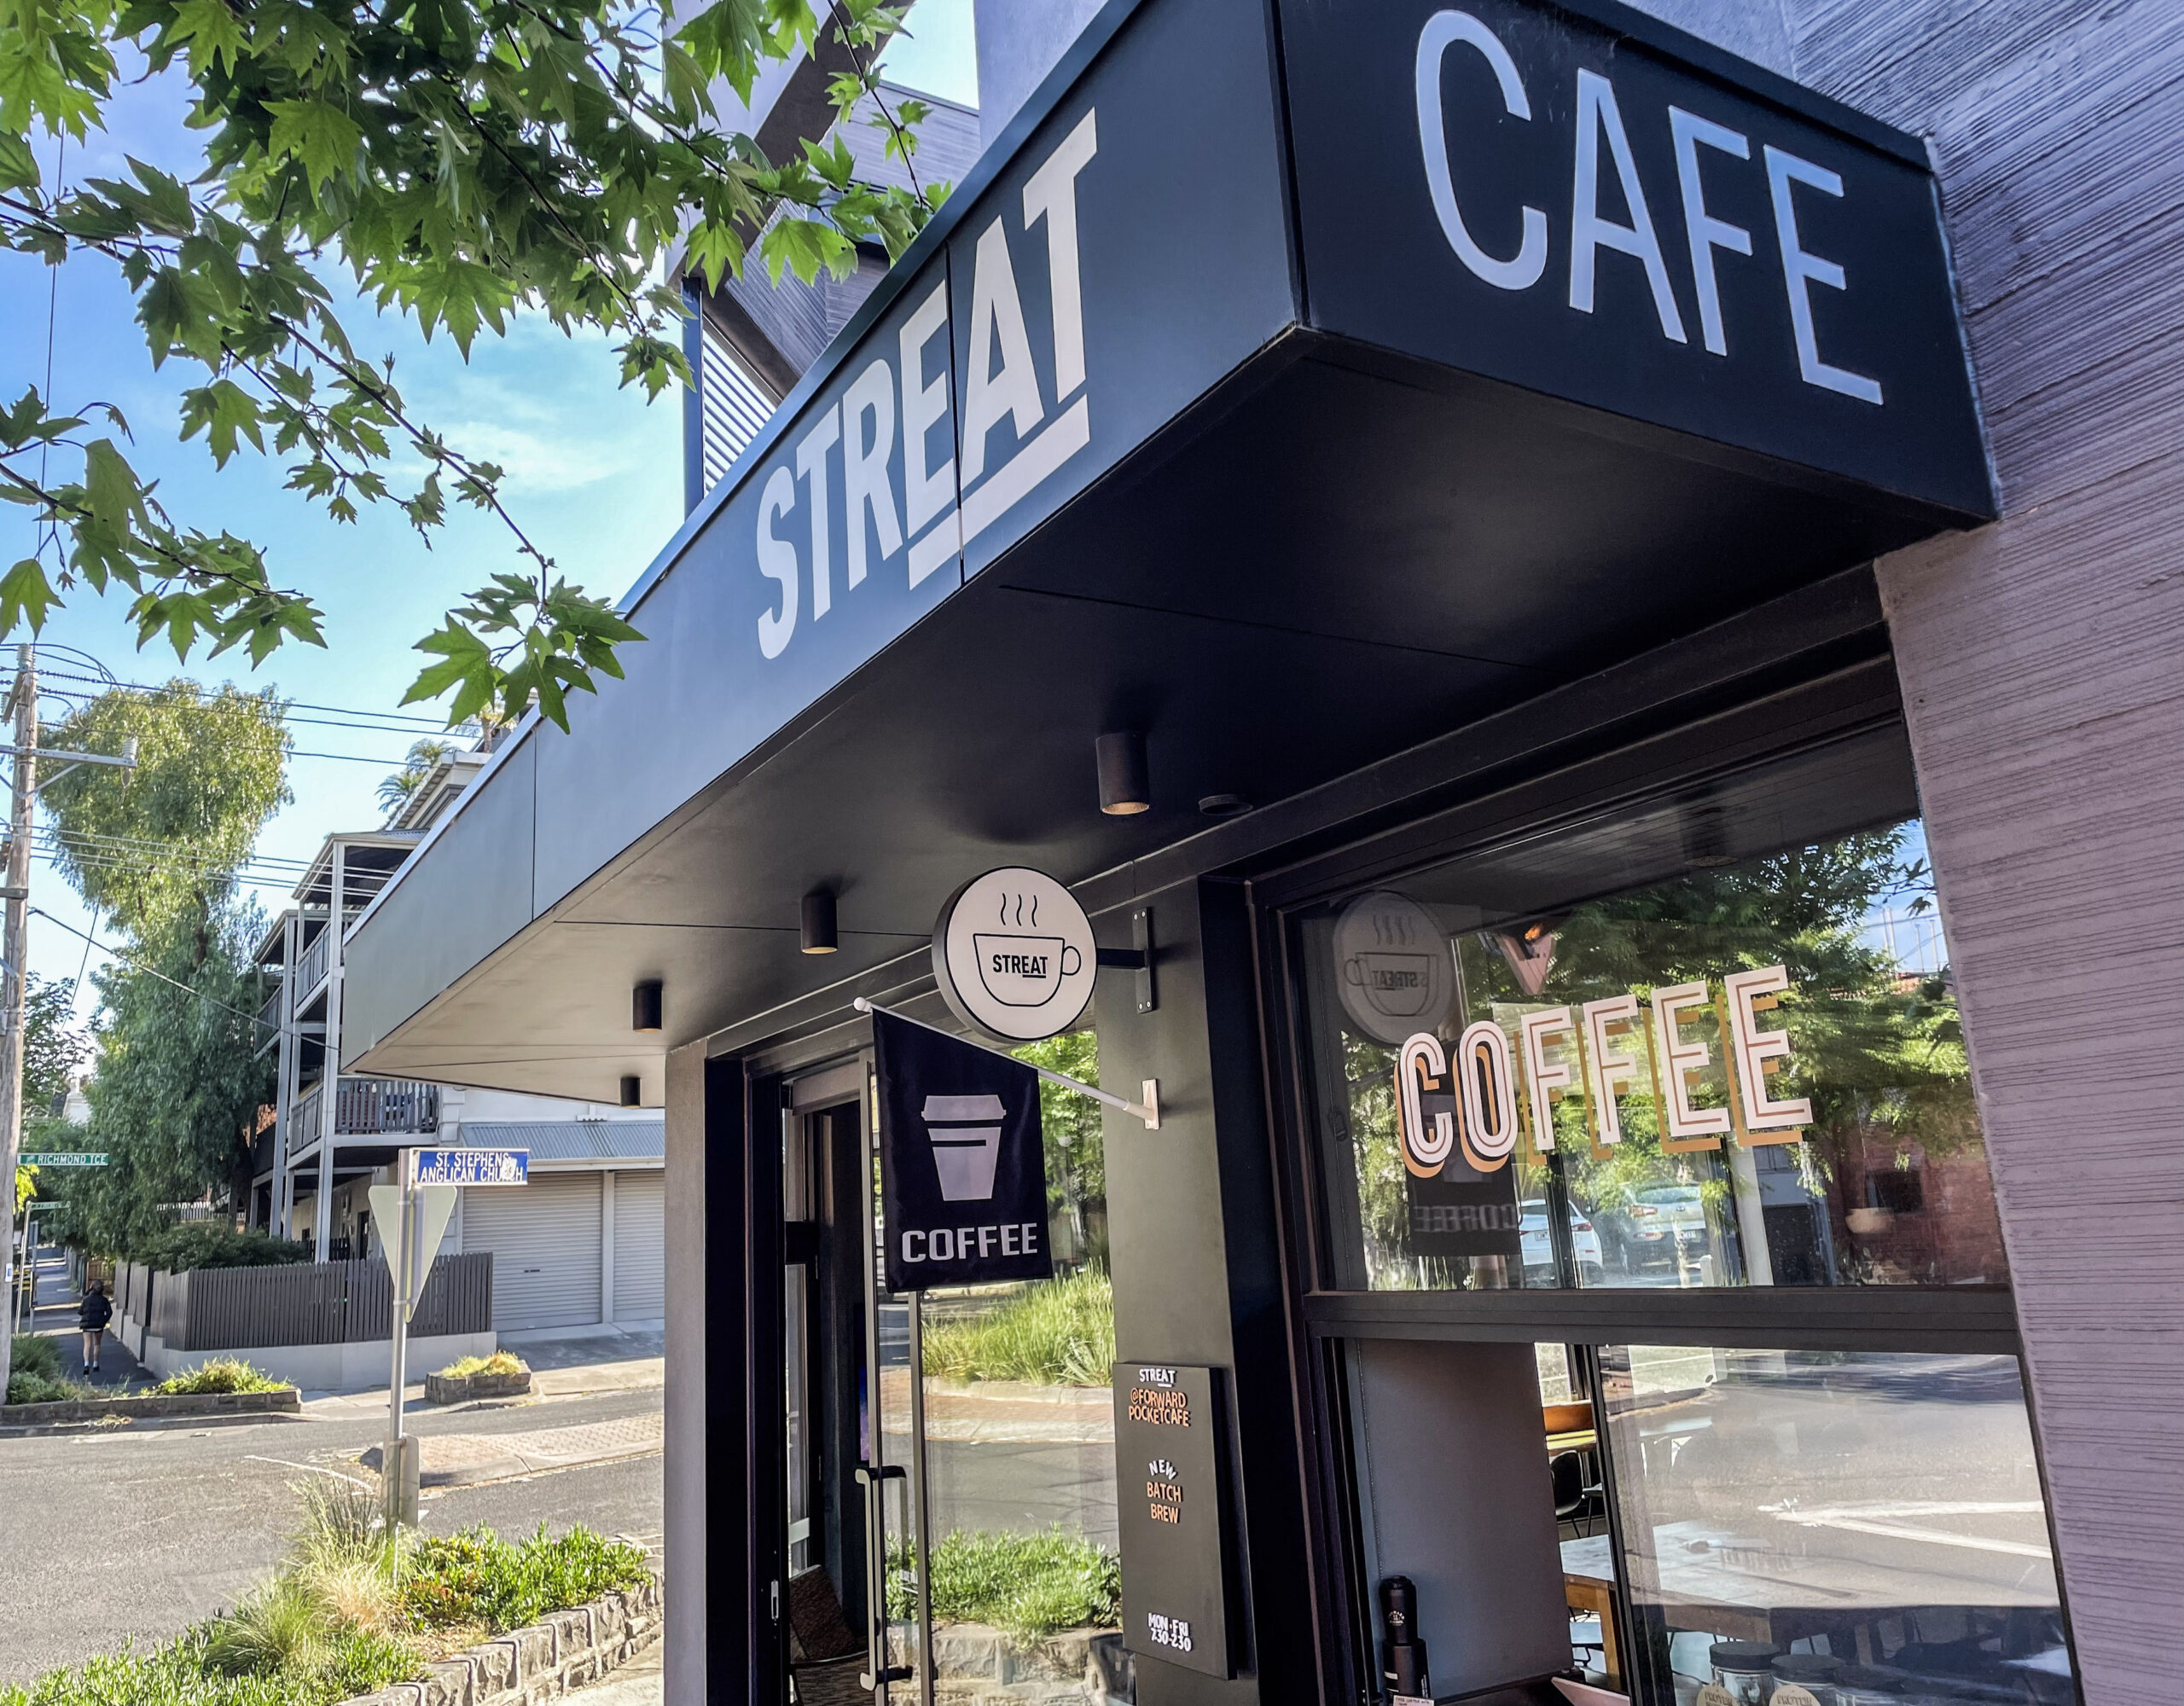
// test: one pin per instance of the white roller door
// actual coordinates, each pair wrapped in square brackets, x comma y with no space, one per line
[545,1240]
[640,1246]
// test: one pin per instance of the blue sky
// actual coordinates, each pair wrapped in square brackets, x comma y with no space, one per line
[594,476]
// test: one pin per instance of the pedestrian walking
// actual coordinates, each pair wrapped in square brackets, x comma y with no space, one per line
[92,1314]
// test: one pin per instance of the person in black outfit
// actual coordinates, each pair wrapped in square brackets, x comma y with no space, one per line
[92,1314]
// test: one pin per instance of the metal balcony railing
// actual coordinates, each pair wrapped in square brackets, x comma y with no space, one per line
[317,959]
[364,1105]
[268,1031]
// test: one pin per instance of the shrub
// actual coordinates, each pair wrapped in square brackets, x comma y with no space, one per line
[202,1243]
[500,1362]
[37,1388]
[341,1524]
[281,1627]
[475,1576]
[333,1625]
[35,1354]
[1059,1332]
[1027,1584]
[220,1374]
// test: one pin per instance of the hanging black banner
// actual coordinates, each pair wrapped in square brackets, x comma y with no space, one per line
[962,1165]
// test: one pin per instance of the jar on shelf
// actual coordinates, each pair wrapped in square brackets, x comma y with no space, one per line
[1744,1670]
[1806,1678]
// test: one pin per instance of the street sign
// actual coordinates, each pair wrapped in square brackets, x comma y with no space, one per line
[410,1247]
[474,1166]
[64,1157]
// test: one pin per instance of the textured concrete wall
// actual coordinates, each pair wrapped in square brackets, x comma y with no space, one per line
[2042,661]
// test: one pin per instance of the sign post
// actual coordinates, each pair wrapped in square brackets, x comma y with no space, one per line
[414,1218]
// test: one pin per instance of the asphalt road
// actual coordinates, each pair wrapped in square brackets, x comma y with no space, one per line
[140,1532]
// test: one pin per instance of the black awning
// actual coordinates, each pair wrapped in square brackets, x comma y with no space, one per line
[1192,416]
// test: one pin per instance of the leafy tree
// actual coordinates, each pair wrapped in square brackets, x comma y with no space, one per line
[395,788]
[1075,1143]
[53,1047]
[155,845]
[463,162]
[179,1080]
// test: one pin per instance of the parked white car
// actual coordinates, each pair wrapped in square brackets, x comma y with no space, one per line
[1539,1248]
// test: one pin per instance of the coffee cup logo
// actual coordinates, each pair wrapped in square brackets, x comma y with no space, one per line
[965,1135]
[1393,968]
[1013,954]
[1024,971]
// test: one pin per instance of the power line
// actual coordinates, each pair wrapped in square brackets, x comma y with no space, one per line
[424,724]
[137,966]
[288,717]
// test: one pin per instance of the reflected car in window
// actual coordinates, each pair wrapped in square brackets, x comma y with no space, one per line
[1661,1226]
[1539,1248]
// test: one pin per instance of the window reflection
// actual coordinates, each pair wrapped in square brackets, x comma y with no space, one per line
[1748,1070]
[1020,1459]
[1868,1526]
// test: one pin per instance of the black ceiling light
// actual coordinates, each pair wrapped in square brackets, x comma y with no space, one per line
[632,1091]
[1706,837]
[1224,806]
[644,1006]
[1124,788]
[819,922]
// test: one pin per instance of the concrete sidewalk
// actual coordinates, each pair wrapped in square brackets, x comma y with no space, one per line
[457,1459]
[53,1315]
[564,1364]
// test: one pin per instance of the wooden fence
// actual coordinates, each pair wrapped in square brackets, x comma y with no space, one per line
[323,1303]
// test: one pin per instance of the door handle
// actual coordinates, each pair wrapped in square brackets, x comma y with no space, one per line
[878,1672]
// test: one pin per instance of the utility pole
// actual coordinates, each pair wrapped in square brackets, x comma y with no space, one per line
[12,952]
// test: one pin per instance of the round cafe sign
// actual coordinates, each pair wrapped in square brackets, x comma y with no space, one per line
[1015,955]
[1393,966]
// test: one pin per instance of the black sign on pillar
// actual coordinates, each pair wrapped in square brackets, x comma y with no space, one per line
[962,1165]
[1172,1515]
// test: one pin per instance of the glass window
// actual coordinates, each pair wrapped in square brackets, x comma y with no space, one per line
[1869,1526]
[1019,1459]
[1708,1041]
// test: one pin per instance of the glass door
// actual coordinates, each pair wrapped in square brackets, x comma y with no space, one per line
[854,1565]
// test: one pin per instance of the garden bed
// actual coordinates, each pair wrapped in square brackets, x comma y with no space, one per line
[404,1620]
[499,1376]
[285,1400]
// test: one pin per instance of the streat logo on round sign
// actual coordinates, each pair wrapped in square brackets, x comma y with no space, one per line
[1015,955]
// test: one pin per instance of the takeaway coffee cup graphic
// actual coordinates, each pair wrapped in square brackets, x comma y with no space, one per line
[1024,971]
[965,1135]
[1392,966]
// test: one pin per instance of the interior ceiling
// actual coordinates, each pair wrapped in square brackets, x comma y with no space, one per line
[1342,557]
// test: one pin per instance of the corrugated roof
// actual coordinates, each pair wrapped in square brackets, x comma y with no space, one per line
[596,1140]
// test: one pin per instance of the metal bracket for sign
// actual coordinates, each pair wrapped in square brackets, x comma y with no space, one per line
[1137,957]
[1148,1110]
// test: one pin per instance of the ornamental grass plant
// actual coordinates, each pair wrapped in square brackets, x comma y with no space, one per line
[34,1373]
[1056,1333]
[1029,1586]
[352,1609]
[219,1374]
[500,1362]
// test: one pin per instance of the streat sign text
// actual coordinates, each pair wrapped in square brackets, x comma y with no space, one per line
[892,478]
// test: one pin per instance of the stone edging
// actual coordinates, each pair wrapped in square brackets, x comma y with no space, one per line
[541,1662]
[287,1398]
